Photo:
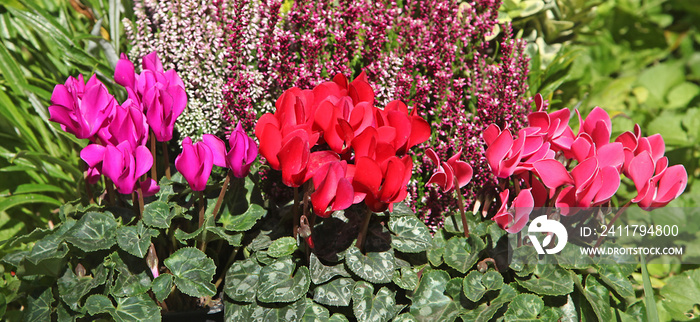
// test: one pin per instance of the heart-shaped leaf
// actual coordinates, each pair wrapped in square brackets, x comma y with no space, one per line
[524,307]
[369,307]
[430,302]
[282,247]
[337,292]
[411,234]
[372,267]
[462,253]
[550,280]
[242,279]
[161,286]
[94,231]
[475,284]
[278,284]
[193,271]
[158,214]
[244,221]
[321,273]
[135,240]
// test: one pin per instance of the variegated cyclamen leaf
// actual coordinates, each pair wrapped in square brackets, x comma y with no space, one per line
[524,307]
[135,240]
[242,279]
[193,271]
[158,214]
[337,292]
[462,253]
[372,267]
[430,302]
[370,307]
[315,312]
[411,234]
[282,247]
[321,273]
[94,231]
[549,280]
[278,283]
[162,286]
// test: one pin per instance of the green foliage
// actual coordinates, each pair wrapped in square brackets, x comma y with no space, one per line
[41,44]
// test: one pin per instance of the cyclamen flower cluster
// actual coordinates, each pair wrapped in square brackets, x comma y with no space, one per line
[119,132]
[571,171]
[196,160]
[358,149]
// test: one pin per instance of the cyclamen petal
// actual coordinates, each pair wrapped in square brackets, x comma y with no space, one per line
[218,149]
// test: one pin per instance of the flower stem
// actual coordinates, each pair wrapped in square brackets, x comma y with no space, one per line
[617,215]
[460,203]
[363,233]
[220,200]
[139,191]
[154,173]
[201,209]
[295,213]
[166,160]
[110,191]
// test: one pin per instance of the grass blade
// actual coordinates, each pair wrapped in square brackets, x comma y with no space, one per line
[649,301]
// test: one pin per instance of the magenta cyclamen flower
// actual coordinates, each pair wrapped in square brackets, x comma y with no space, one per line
[122,164]
[239,157]
[160,94]
[81,109]
[195,163]
[128,125]
[449,172]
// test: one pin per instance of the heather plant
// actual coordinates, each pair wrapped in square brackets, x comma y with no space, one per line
[189,37]
[436,55]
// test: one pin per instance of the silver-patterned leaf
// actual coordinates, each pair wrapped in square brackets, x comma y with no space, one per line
[193,271]
[411,234]
[94,231]
[282,247]
[321,273]
[369,307]
[242,279]
[278,283]
[372,267]
[162,285]
[462,253]
[135,240]
[337,292]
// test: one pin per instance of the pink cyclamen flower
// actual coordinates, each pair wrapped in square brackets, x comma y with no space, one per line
[634,144]
[656,184]
[239,157]
[129,125]
[450,171]
[503,153]
[195,163]
[512,219]
[159,94]
[333,190]
[122,164]
[81,109]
